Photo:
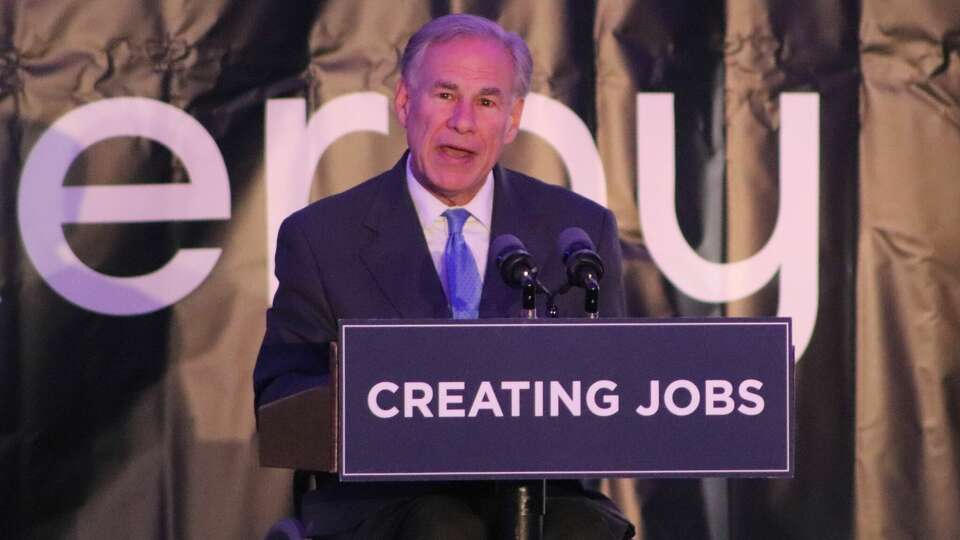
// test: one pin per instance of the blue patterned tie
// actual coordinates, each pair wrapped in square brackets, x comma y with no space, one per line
[460,268]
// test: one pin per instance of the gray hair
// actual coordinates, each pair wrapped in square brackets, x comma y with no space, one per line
[448,27]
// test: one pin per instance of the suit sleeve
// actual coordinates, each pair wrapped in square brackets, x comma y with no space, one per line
[300,323]
[612,299]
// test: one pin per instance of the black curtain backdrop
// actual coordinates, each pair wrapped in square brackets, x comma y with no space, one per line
[138,422]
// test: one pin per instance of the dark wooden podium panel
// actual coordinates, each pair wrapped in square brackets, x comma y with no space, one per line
[297,432]
[300,431]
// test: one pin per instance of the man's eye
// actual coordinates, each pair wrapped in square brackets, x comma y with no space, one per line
[445,95]
[486,102]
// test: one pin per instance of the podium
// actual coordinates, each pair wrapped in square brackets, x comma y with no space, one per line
[519,399]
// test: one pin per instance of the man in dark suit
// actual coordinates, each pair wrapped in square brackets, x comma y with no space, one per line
[413,242]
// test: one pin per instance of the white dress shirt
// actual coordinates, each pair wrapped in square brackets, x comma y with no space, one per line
[476,230]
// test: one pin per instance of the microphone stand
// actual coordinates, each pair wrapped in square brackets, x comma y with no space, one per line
[523,506]
[591,297]
[528,298]
[523,503]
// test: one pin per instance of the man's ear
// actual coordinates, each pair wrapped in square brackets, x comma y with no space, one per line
[513,126]
[401,102]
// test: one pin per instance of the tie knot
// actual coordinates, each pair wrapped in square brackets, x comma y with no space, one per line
[456,217]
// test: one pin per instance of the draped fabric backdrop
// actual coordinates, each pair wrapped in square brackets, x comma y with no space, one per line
[136,234]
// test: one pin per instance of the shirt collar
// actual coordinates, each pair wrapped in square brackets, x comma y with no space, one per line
[430,208]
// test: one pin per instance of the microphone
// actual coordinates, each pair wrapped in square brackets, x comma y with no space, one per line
[518,271]
[513,260]
[584,266]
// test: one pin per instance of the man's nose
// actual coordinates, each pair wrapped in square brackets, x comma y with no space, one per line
[462,118]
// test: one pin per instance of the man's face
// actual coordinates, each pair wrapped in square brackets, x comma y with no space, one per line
[458,111]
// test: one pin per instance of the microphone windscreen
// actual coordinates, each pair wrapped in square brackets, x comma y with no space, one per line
[513,260]
[573,239]
[504,244]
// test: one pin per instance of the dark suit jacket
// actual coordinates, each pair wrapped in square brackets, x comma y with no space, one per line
[362,254]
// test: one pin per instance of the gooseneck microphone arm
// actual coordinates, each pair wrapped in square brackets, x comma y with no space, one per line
[529,297]
[592,298]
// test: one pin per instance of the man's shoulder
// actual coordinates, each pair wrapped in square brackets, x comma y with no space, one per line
[548,197]
[346,206]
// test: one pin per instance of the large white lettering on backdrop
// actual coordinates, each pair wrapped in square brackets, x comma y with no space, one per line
[295,144]
[793,246]
[45,204]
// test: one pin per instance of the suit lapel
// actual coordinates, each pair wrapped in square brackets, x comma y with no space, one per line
[397,255]
[497,299]
[399,261]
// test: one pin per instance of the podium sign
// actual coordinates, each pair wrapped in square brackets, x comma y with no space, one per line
[513,398]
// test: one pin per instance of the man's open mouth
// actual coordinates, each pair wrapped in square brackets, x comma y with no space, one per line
[456,151]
